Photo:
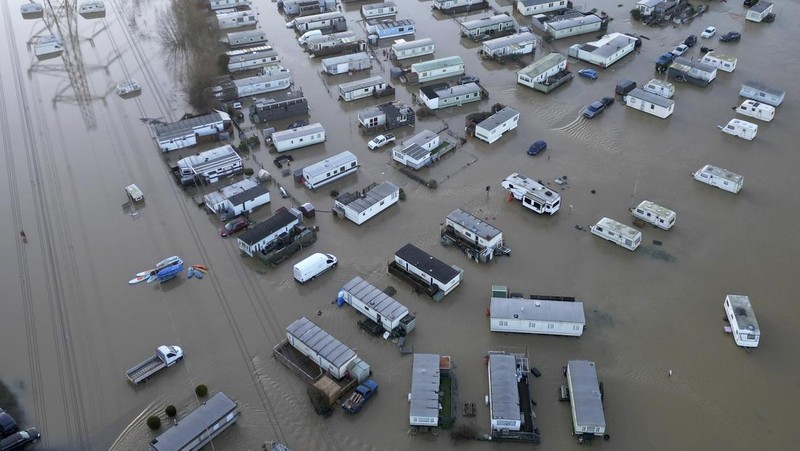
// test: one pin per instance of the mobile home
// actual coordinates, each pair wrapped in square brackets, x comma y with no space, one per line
[390,29]
[246,38]
[742,318]
[694,72]
[573,26]
[330,169]
[442,95]
[459,6]
[617,233]
[655,214]
[537,316]
[296,138]
[585,398]
[385,117]
[281,105]
[270,81]
[742,129]
[325,22]
[369,87]
[757,110]
[364,205]
[403,50]
[721,178]
[492,128]
[227,19]
[532,194]
[209,166]
[514,45]
[428,269]
[497,25]
[379,10]
[251,58]
[481,239]
[722,62]
[346,63]
[306,7]
[200,426]
[225,4]
[262,235]
[185,133]
[605,52]
[650,103]
[759,11]
[376,305]
[451,66]
[531,7]
[545,74]
[424,397]
[415,152]
[759,91]
[334,43]
[233,200]
[660,87]
[321,347]
[504,405]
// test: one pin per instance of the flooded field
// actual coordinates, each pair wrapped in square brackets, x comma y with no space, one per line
[71,325]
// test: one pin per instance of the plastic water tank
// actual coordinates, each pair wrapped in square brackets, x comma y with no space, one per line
[395,72]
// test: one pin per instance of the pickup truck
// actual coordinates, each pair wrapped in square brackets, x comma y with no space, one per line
[360,396]
[165,356]
[380,141]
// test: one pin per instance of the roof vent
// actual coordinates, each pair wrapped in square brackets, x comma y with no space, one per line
[537,303]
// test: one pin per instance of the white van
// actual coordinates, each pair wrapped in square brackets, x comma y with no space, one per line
[313,266]
[308,34]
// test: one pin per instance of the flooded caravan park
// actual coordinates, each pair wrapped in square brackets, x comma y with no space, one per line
[72,326]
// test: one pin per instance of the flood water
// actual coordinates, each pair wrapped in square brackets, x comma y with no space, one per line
[71,326]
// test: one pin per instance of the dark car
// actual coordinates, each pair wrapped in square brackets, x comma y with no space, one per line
[296,124]
[597,107]
[468,79]
[537,147]
[731,36]
[20,439]
[282,159]
[234,226]
[8,425]
[690,41]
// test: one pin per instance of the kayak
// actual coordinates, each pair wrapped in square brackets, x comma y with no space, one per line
[190,273]
[198,274]
[151,278]
[139,278]
[202,268]
[169,261]
[145,273]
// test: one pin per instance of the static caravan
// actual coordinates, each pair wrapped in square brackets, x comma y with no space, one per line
[655,214]
[660,88]
[451,66]
[200,426]
[376,305]
[686,70]
[479,29]
[225,203]
[296,138]
[759,91]
[531,7]
[385,117]
[209,166]
[428,268]
[617,233]
[742,129]
[326,22]
[573,26]
[246,38]
[647,7]
[321,347]
[363,205]
[722,62]
[315,44]
[650,103]
[330,169]
[759,11]
[424,397]
[415,152]
[390,29]
[403,50]
[346,63]
[227,19]
[537,316]
[605,52]
[259,237]
[245,87]
[482,238]
[379,10]
[281,105]
[492,128]
[721,178]
[369,87]
[744,325]
[185,133]
[757,110]
[459,6]
[533,195]
[251,58]
[504,405]
[509,46]
[442,95]
[585,398]
[306,7]
[225,4]
[540,71]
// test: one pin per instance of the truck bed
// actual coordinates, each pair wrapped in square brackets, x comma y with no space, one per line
[145,369]
[353,402]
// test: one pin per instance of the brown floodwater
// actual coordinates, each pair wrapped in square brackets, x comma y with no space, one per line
[71,325]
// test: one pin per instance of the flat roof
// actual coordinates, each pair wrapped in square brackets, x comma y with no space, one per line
[376,195]
[400,46]
[503,388]
[571,22]
[486,21]
[514,39]
[226,192]
[178,128]
[425,386]
[444,90]
[743,312]
[614,44]
[473,224]
[189,427]
[327,164]
[427,263]
[321,342]
[208,159]
[652,98]
[249,194]
[537,310]
[722,173]
[542,65]
[585,393]
[298,132]
[412,146]
[761,6]
[439,63]
[499,118]
[361,84]
[264,229]
[375,299]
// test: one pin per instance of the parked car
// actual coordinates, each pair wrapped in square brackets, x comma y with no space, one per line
[680,50]
[8,425]
[665,59]
[588,73]
[537,147]
[731,36]
[690,40]
[237,105]
[20,439]
[380,141]
[468,79]
[296,124]
[708,32]
[234,226]
[597,107]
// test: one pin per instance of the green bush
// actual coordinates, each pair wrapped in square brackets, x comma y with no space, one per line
[248,171]
[636,14]
[432,184]
[153,422]
[201,391]
[334,193]
[171,411]
[402,194]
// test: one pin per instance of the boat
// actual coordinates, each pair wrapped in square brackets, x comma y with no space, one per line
[128,87]
[170,272]
[169,261]
[190,273]
[138,279]
[151,278]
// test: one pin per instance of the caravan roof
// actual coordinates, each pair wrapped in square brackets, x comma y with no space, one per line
[538,310]
[503,389]
[327,164]
[375,195]
[321,342]
[473,224]
[585,393]
[377,300]
[434,267]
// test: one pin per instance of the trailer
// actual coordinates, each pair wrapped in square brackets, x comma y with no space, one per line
[531,7]
[512,46]
[240,60]
[451,66]
[329,170]
[379,10]
[742,318]
[695,72]
[739,128]
[438,277]
[323,349]
[618,233]
[200,426]
[756,110]
[451,7]
[585,399]
[655,214]
[545,74]
[227,19]
[759,91]
[369,87]
[721,178]
[281,105]
[361,206]
[287,244]
[492,128]
[187,132]
[443,95]
[385,29]
[660,87]
[544,315]
[232,90]
[208,167]
[650,103]
[424,396]
[296,138]
[228,4]
[532,194]
[346,63]
[605,51]
[478,239]
[376,305]
[325,22]
[488,27]
[722,62]
[403,49]
[246,38]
